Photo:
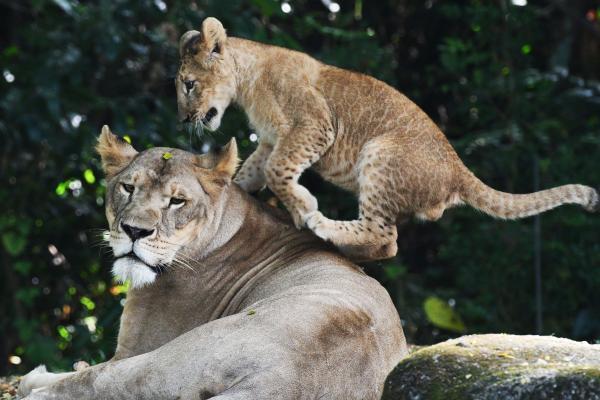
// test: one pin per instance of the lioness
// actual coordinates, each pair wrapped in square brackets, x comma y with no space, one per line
[227,300]
[356,131]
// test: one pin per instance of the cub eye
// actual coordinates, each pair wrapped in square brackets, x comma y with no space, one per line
[176,201]
[189,85]
[128,188]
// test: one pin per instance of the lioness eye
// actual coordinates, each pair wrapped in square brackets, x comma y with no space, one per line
[189,85]
[128,188]
[175,201]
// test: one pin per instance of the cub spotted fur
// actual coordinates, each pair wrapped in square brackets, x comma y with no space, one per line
[356,131]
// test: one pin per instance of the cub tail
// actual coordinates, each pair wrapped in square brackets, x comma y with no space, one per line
[513,206]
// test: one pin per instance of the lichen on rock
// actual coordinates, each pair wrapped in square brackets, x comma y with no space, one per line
[498,366]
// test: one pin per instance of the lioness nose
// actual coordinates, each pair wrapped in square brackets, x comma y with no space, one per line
[135,233]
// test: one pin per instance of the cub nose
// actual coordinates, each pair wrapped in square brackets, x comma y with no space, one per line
[135,233]
[210,115]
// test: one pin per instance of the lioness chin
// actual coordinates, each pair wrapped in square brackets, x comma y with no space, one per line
[356,131]
[228,301]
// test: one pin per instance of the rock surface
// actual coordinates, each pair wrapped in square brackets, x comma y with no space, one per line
[498,366]
[8,388]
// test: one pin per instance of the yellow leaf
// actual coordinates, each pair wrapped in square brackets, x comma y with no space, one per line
[440,314]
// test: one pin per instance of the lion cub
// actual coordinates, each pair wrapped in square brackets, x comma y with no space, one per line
[355,131]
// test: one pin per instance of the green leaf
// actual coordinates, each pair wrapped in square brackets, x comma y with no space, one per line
[14,243]
[394,271]
[26,329]
[167,156]
[526,48]
[266,7]
[440,314]
[11,51]
[61,188]
[87,302]
[27,295]
[89,176]
[23,267]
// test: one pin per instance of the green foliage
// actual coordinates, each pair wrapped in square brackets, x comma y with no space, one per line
[504,86]
[440,314]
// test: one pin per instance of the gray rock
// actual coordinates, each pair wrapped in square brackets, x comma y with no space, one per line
[507,367]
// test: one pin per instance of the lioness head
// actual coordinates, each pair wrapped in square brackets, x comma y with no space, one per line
[158,201]
[205,82]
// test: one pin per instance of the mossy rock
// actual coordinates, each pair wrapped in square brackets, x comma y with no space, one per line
[508,367]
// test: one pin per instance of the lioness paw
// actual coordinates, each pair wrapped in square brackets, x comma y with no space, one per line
[31,381]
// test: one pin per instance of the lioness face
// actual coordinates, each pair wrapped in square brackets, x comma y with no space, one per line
[205,82]
[159,201]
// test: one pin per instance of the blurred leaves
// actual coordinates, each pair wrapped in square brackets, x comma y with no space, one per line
[14,243]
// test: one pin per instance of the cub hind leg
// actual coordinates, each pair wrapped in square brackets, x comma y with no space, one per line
[367,238]
[373,235]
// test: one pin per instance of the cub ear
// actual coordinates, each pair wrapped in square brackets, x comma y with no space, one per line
[115,152]
[189,43]
[213,35]
[227,161]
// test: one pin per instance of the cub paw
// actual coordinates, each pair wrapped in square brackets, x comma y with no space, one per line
[298,218]
[316,221]
[248,184]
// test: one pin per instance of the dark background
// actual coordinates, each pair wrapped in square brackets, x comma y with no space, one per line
[515,88]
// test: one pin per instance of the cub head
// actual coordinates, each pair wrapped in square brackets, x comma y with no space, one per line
[161,203]
[205,82]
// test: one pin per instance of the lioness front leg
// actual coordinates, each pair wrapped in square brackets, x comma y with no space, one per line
[292,155]
[251,176]
[232,356]
[39,378]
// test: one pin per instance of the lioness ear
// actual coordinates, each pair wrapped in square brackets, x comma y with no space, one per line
[115,152]
[227,161]
[213,35]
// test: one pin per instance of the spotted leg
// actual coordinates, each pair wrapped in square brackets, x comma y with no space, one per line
[373,234]
[292,155]
[251,176]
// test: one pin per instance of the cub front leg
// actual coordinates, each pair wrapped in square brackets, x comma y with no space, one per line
[292,155]
[251,176]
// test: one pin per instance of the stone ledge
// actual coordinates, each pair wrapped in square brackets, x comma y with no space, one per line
[498,366]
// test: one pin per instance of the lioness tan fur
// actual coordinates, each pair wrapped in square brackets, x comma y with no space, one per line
[229,301]
[356,131]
